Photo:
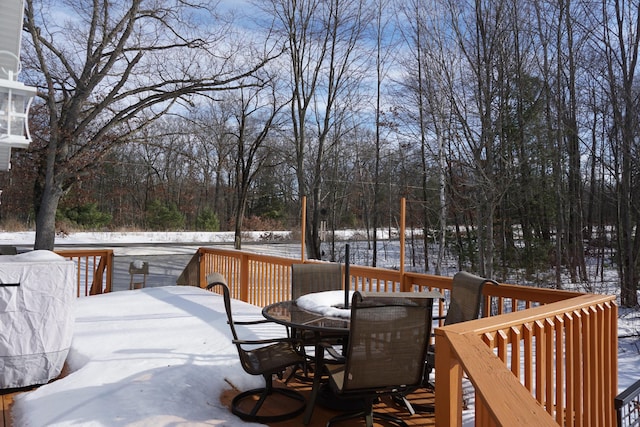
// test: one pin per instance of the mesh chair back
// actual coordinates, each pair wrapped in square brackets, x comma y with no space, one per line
[387,341]
[309,278]
[466,295]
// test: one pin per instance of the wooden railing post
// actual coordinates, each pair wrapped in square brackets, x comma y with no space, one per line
[611,359]
[403,209]
[303,228]
[244,277]
[202,270]
[96,285]
[449,383]
[109,284]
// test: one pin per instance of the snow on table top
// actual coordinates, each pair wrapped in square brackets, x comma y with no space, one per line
[325,303]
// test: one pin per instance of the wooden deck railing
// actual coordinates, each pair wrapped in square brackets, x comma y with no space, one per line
[563,353]
[537,357]
[94,270]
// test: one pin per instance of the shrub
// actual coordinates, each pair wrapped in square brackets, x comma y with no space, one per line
[161,217]
[87,216]
[13,224]
[255,223]
[207,220]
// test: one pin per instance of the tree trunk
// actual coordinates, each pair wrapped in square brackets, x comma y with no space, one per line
[576,262]
[49,197]
[621,73]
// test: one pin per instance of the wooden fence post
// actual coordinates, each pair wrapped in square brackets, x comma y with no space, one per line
[244,277]
[449,379]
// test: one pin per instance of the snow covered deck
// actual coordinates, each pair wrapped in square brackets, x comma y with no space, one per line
[152,357]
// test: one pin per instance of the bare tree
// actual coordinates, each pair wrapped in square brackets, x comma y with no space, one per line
[429,83]
[621,41]
[213,150]
[107,69]
[480,28]
[384,42]
[566,99]
[321,38]
[256,111]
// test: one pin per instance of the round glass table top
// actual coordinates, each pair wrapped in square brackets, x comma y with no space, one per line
[291,314]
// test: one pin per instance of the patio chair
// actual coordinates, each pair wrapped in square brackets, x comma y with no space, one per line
[306,279]
[386,350]
[309,278]
[464,305]
[266,357]
[138,268]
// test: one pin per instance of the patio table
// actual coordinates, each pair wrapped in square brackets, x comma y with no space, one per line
[292,315]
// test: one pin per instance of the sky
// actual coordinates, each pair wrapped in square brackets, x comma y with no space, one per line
[162,356]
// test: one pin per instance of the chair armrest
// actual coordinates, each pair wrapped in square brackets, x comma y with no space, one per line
[333,352]
[267,341]
[251,322]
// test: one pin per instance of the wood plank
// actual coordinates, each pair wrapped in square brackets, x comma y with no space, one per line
[496,387]
[321,414]
[7,401]
[7,396]
[6,404]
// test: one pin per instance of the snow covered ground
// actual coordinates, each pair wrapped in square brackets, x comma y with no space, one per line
[161,356]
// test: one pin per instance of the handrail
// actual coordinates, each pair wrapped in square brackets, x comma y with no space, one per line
[556,348]
[535,350]
[537,357]
[563,353]
[488,375]
[94,270]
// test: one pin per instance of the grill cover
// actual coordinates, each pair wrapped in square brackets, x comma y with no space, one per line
[36,317]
